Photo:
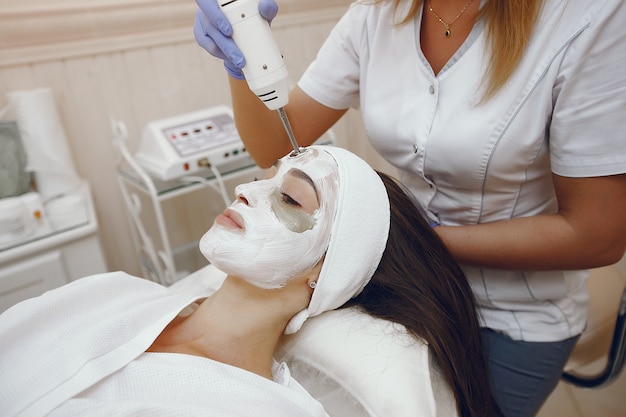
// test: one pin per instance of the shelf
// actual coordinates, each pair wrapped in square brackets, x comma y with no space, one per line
[45,236]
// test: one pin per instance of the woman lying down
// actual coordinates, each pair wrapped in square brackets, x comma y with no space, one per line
[306,239]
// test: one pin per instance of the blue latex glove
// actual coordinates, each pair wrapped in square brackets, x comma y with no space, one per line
[213,33]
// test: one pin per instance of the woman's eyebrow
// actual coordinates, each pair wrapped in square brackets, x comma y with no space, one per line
[303,175]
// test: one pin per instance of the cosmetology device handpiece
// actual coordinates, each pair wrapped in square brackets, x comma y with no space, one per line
[265,70]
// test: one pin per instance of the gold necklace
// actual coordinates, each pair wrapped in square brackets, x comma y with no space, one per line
[447,32]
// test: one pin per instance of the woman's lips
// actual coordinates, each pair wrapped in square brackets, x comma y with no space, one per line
[231,219]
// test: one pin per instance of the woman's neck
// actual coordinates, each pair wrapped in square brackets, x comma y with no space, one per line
[239,325]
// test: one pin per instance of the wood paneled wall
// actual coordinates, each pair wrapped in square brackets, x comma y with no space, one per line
[136,61]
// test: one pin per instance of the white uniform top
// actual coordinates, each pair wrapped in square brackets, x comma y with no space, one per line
[80,350]
[563,110]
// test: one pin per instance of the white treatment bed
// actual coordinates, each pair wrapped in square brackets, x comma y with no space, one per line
[354,364]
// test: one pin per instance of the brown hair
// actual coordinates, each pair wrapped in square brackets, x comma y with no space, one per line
[419,285]
[509,26]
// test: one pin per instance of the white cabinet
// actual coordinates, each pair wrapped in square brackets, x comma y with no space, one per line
[51,257]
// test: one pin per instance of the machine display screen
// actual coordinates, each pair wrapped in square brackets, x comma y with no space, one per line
[201,135]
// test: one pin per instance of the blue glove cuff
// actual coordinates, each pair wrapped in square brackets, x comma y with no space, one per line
[234,72]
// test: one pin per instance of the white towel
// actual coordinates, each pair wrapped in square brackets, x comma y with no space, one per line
[358,237]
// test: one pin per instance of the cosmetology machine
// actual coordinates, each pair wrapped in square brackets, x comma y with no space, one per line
[181,177]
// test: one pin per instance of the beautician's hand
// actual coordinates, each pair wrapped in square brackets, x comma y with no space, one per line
[213,32]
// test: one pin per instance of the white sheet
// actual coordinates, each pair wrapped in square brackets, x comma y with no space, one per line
[72,338]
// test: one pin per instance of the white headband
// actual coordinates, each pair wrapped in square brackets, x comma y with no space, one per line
[358,236]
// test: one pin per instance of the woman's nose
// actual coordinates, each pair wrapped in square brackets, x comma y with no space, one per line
[246,195]
[254,193]
[241,194]
[242,199]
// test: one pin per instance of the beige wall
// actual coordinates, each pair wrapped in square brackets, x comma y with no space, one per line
[136,61]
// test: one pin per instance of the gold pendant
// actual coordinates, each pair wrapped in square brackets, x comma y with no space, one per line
[447,33]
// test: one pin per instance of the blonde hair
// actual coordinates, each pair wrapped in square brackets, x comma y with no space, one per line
[509,24]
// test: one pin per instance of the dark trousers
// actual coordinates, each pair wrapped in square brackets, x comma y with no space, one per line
[523,374]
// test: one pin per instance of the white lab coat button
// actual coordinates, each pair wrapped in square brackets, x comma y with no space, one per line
[431,89]
[415,148]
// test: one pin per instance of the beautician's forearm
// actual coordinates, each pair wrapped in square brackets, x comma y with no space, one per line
[260,128]
[588,231]
[535,243]
[262,131]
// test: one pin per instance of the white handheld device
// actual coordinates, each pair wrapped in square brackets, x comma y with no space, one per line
[265,70]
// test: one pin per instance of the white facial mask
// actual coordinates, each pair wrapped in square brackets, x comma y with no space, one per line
[279,241]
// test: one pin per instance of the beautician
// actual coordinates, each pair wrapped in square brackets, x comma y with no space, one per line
[303,241]
[506,119]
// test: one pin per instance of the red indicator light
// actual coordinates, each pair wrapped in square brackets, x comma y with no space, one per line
[186,166]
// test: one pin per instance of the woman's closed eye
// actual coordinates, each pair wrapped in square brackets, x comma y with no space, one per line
[289,200]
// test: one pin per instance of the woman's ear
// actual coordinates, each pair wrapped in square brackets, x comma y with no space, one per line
[313,275]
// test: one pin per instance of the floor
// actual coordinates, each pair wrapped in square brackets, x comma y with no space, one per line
[568,400]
